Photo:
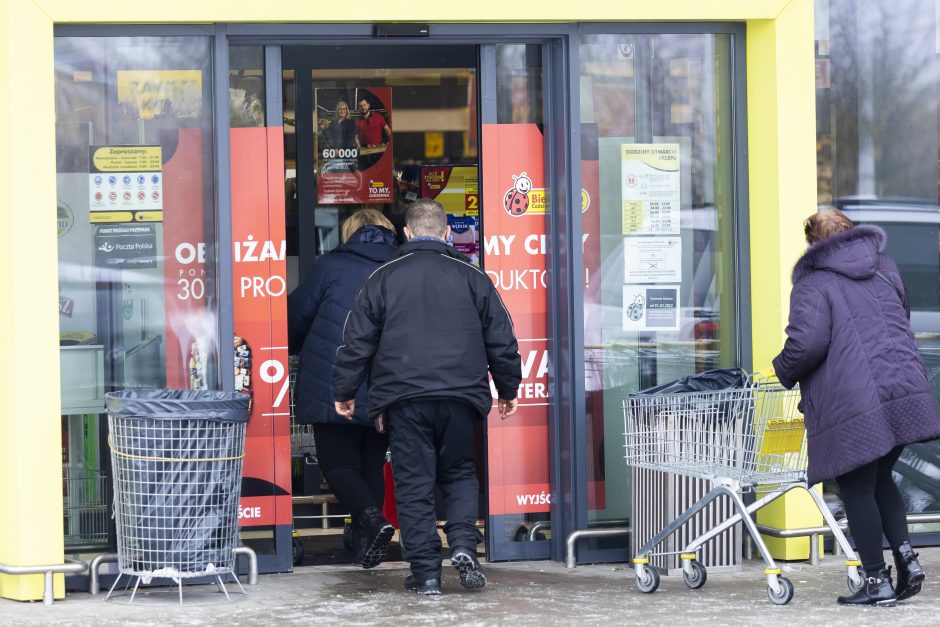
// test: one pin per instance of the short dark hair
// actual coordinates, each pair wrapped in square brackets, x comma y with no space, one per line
[825,222]
[426,217]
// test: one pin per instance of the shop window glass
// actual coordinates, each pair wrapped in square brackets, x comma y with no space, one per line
[246,86]
[877,75]
[658,223]
[137,276]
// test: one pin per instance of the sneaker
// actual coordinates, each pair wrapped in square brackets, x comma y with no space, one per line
[376,535]
[468,567]
[428,587]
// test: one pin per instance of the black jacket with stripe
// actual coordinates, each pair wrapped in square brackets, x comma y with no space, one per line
[427,325]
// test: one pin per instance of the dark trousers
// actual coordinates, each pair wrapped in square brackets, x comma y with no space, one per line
[432,443]
[874,507]
[352,458]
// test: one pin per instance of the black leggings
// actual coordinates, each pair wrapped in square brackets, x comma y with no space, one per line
[352,458]
[874,508]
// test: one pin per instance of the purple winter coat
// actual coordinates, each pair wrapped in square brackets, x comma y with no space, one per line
[850,347]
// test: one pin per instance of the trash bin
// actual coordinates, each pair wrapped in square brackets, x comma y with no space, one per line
[660,497]
[177,462]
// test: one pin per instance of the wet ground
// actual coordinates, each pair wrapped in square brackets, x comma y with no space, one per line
[526,593]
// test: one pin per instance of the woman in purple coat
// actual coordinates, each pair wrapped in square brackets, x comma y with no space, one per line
[864,391]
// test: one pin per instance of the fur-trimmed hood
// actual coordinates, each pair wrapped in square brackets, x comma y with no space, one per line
[854,253]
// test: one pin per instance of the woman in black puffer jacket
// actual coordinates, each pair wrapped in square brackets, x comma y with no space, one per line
[351,453]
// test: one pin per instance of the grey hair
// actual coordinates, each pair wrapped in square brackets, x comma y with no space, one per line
[426,217]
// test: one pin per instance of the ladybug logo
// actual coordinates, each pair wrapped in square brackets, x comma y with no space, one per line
[516,200]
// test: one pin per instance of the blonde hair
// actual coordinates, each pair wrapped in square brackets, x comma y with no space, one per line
[361,218]
[825,222]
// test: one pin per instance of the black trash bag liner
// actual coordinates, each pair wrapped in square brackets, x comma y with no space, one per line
[708,381]
[722,379]
[158,404]
[177,460]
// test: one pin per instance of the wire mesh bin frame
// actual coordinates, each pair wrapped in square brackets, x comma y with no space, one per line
[176,495]
[741,440]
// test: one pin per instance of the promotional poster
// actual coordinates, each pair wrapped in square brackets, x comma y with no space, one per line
[353,145]
[259,255]
[456,188]
[514,258]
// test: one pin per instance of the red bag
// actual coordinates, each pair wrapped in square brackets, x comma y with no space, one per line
[389,509]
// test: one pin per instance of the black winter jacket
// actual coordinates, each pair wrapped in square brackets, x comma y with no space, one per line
[850,347]
[316,311]
[428,324]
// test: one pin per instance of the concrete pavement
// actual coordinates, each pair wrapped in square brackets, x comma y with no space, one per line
[526,593]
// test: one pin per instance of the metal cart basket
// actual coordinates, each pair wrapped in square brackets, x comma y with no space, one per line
[177,460]
[741,440]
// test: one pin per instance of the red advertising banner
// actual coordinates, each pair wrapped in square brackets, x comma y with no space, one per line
[190,326]
[353,145]
[514,258]
[260,313]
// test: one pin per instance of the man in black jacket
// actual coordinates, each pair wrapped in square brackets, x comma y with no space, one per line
[426,327]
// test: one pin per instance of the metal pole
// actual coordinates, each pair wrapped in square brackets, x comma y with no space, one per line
[574,536]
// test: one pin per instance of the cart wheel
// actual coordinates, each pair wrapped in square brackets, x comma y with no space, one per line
[786,592]
[347,537]
[298,551]
[649,581]
[854,586]
[698,577]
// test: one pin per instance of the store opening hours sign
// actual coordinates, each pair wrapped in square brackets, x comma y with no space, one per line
[514,258]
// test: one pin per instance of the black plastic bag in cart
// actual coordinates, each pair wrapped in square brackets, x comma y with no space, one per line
[722,379]
[708,381]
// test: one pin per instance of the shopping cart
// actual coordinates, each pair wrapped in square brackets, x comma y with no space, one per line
[749,440]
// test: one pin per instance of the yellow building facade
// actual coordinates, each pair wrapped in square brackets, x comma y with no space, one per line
[781,190]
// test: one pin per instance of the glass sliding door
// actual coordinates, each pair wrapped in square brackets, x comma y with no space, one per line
[138,296]
[660,295]
[515,215]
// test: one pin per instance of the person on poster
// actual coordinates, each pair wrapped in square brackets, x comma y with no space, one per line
[425,329]
[341,131]
[864,392]
[371,127]
[350,452]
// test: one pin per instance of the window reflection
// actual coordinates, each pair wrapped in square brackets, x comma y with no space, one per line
[877,71]
[658,227]
[135,212]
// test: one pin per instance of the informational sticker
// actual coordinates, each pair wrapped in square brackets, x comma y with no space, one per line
[125,184]
[650,189]
[652,259]
[650,307]
[126,246]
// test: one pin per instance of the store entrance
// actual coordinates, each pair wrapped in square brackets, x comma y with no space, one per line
[296,177]
[366,129]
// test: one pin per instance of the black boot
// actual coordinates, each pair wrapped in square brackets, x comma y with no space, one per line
[357,541]
[376,535]
[910,573]
[468,568]
[427,587]
[876,590]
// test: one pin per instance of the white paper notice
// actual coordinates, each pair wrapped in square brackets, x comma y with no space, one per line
[652,259]
[650,307]
[650,189]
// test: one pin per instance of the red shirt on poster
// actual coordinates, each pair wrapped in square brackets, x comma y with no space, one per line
[370,129]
